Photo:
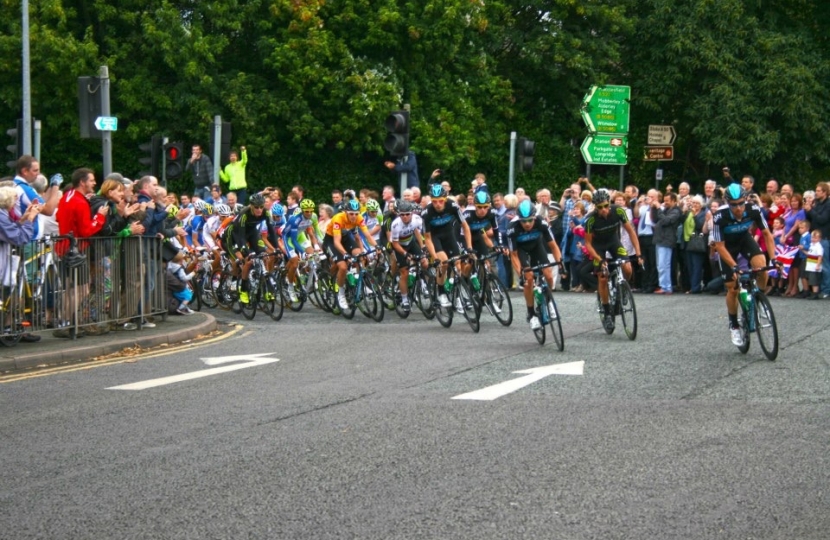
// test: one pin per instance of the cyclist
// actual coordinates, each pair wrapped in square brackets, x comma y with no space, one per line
[374,222]
[195,226]
[408,244]
[341,242]
[531,244]
[484,226]
[440,217]
[299,234]
[243,237]
[602,234]
[731,226]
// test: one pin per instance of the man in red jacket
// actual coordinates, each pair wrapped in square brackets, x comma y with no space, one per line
[74,216]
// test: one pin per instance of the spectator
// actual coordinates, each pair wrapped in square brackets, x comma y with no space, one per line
[75,217]
[645,234]
[28,169]
[408,165]
[234,174]
[201,169]
[216,196]
[819,215]
[693,226]
[772,187]
[388,198]
[666,218]
[814,257]
[14,233]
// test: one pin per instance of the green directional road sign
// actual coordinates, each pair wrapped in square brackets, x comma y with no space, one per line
[606,109]
[605,149]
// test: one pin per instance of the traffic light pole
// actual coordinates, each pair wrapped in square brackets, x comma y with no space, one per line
[106,136]
[217,148]
[164,141]
[36,141]
[512,171]
[27,82]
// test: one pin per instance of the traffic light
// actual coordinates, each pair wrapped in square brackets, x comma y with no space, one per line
[524,151]
[174,160]
[17,148]
[152,160]
[397,140]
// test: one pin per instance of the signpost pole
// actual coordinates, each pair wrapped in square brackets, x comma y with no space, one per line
[217,148]
[106,136]
[622,177]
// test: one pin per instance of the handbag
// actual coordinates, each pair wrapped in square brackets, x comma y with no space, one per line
[697,243]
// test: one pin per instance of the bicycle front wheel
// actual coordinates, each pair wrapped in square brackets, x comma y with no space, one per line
[469,304]
[765,326]
[628,312]
[497,300]
[539,332]
[744,322]
[555,321]
[442,313]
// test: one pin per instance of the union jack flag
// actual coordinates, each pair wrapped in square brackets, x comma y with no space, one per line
[785,254]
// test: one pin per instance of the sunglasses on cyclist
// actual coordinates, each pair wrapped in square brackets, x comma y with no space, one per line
[482,206]
[529,220]
[603,205]
[255,207]
[737,204]
[440,199]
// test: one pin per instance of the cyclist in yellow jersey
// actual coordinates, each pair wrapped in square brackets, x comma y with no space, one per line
[340,242]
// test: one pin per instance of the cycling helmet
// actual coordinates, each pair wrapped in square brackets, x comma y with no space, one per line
[201,206]
[223,210]
[306,204]
[733,192]
[352,205]
[481,198]
[405,207]
[372,206]
[525,209]
[257,199]
[601,196]
[172,210]
[277,210]
[437,191]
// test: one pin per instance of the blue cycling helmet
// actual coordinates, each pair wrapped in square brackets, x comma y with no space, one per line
[437,191]
[481,198]
[277,210]
[352,205]
[525,209]
[734,192]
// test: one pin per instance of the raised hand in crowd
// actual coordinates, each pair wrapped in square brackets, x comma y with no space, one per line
[136,228]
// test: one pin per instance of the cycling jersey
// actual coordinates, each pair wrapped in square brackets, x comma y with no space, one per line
[340,224]
[293,231]
[404,233]
[439,223]
[726,228]
[606,227]
[520,239]
[480,225]
[243,232]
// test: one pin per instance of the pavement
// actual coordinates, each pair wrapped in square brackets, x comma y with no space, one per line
[51,350]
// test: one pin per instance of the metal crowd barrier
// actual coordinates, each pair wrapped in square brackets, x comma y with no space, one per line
[120,281]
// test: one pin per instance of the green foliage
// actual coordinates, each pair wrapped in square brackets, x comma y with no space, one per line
[307,84]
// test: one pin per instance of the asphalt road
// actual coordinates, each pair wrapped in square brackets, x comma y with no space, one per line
[349,429]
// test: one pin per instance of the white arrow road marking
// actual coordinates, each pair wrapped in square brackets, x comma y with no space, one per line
[253,360]
[532,375]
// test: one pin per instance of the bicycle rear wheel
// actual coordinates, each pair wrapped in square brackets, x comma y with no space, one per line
[371,303]
[765,326]
[628,312]
[422,297]
[249,308]
[207,296]
[555,321]
[272,297]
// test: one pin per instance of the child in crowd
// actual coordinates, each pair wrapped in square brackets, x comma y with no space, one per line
[812,266]
[176,267]
[797,267]
[779,283]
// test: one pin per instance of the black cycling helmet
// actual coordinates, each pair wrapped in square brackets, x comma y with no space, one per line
[481,198]
[733,192]
[352,205]
[406,207]
[525,209]
[257,199]
[601,196]
[437,191]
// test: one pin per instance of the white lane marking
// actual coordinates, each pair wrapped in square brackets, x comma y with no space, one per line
[152,383]
[531,376]
[216,360]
